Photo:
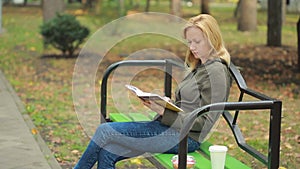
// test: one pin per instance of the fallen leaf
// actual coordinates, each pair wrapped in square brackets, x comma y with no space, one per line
[231,145]
[75,152]
[281,168]
[34,131]
[288,145]
[32,49]
[243,129]
[136,161]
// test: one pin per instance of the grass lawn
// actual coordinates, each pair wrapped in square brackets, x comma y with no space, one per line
[44,82]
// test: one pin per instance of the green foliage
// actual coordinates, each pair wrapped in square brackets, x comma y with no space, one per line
[64,32]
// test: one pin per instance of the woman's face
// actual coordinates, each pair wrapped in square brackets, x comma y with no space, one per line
[198,44]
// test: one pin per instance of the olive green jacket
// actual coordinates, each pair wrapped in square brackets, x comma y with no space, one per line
[208,83]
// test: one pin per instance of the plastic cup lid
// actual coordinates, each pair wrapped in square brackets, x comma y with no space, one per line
[218,148]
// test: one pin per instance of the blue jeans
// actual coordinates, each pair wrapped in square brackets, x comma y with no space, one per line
[116,141]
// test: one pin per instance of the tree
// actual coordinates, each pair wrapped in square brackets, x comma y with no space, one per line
[247,15]
[147,6]
[274,22]
[97,6]
[65,33]
[122,10]
[205,6]
[176,7]
[298,33]
[0,16]
[235,14]
[51,7]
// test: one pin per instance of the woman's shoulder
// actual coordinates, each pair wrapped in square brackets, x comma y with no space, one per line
[217,62]
[215,65]
[214,68]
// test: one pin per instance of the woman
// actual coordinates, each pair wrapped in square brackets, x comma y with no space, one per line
[206,82]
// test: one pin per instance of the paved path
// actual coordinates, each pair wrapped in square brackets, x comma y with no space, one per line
[19,148]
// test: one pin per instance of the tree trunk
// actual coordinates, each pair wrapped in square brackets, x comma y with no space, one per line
[247,15]
[50,8]
[238,4]
[204,6]
[170,4]
[121,8]
[147,6]
[298,33]
[25,3]
[89,4]
[1,16]
[176,7]
[97,6]
[274,22]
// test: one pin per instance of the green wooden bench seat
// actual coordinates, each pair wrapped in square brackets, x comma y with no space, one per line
[260,102]
[201,156]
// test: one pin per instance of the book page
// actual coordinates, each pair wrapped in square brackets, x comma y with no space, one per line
[153,97]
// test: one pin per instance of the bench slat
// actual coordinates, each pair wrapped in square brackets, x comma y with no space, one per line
[152,115]
[119,117]
[138,117]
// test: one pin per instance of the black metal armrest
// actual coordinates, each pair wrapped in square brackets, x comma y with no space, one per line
[273,105]
[223,106]
[236,74]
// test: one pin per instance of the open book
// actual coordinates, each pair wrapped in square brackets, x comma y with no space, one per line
[153,97]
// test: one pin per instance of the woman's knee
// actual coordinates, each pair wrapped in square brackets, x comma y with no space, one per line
[104,127]
[102,133]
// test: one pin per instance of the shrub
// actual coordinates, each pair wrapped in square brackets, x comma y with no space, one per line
[64,32]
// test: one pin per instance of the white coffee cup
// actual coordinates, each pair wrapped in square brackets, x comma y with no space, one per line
[218,156]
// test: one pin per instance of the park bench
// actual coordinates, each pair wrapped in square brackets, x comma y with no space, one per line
[230,113]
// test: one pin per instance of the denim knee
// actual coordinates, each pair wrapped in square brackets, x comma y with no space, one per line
[102,134]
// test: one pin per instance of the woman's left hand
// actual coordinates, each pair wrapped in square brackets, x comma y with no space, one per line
[154,107]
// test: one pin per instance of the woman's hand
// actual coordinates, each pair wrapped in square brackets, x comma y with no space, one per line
[154,107]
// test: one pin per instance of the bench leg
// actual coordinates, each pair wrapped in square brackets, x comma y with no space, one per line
[274,140]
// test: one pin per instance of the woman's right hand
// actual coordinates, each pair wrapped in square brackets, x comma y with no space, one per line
[154,106]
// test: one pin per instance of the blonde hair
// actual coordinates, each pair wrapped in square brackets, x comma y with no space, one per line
[210,28]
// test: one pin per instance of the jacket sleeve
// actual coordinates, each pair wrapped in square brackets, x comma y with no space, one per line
[211,90]
[217,91]
[175,119]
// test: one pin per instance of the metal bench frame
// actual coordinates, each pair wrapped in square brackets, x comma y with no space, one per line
[272,160]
